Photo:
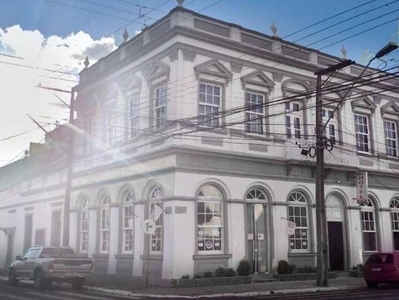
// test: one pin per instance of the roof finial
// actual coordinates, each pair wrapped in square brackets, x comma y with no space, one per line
[180,2]
[343,52]
[87,63]
[125,36]
[273,28]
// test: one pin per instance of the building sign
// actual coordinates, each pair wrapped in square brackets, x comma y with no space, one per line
[290,227]
[361,187]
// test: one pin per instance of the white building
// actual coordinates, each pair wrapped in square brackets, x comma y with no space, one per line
[207,120]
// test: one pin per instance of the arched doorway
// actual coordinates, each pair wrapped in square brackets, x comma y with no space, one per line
[336,232]
[257,230]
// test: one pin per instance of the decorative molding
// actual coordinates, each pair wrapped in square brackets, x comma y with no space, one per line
[213,67]
[189,55]
[55,204]
[30,208]
[236,67]
[12,211]
[8,230]
[174,54]
[257,78]
[277,76]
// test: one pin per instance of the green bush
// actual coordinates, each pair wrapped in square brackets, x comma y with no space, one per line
[208,274]
[185,277]
[222,272]
[306,269]
[359,268]
[244,268]
[284,267]
[197,276]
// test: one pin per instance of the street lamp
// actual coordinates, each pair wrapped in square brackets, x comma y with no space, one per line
[321,222]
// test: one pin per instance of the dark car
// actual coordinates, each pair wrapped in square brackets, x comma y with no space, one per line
[382,268]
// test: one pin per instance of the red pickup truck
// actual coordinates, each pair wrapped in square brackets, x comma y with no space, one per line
[46,265]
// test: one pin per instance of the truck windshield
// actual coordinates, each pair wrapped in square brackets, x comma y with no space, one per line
[380,259]
[57,253]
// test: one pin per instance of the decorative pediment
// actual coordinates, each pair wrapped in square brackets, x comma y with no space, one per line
[295,86]
[390,108]
[156,70]
[364,102]
[213,67]
[257,78]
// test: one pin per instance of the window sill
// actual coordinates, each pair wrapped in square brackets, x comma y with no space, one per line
[101,255]
[217,130]
[124,256]
[211,256]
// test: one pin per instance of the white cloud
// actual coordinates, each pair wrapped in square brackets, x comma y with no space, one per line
[20,77]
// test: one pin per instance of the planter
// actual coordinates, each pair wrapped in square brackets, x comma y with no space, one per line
[302,276]
[212,281]
[356,273]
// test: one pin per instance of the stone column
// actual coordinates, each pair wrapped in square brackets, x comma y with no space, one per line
[114,238]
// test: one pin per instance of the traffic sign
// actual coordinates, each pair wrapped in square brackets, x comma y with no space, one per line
[149,226]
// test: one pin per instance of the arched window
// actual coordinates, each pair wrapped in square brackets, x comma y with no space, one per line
[256,194]
[369,226]
[156,214]
[84,226]
[128,222]
[210,220]
[104,226]
[298,213]
[394,206]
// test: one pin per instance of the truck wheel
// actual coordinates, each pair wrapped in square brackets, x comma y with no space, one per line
[39,280]
[77,283]
[12,278]
[372,285]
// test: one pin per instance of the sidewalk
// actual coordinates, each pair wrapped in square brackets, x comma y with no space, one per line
[254,289]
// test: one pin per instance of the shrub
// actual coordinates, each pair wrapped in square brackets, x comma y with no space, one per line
[197,276]
[359,268]
[208,274]
[174,283]
[284,267]
[306,269]
[244,268]
[185,277]
[222,272]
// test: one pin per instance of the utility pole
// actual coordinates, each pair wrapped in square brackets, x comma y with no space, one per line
[321,222]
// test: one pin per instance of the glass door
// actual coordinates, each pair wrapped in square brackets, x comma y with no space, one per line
[256,237]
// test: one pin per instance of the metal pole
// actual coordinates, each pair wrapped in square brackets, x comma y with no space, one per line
[322,261]
[69,163]
[147,269]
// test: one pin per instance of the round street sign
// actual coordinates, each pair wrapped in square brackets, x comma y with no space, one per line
[148,226]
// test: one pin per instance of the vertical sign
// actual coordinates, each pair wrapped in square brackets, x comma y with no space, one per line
[361,187]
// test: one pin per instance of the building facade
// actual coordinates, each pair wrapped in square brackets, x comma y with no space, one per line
[199,125]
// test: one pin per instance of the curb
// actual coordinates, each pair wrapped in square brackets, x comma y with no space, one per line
[221,295]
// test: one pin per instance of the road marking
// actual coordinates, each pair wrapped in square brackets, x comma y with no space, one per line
[7,296]
[42,295]
[84,296]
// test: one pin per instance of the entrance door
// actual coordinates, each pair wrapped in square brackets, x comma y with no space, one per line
[335,226]
[256,237]
[336,246]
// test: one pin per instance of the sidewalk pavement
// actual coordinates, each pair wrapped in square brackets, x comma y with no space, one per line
[242,290]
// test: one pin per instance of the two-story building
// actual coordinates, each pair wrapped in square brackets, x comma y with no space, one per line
[199,125]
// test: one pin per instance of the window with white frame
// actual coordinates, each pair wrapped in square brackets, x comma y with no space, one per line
[133,118]
[298,213]
[330,130]
[293,119]
[160,99]
[128,223]
[84,226]
[254,103]
[369,226]
[391,138]
[109,133]
[394,206]
[104,224]
[210,97]
[156,204]
[210,220]
[362,133]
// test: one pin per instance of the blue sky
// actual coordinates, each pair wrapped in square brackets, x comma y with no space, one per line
[62,32]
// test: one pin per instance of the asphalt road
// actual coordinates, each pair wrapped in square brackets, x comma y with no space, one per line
[26,291]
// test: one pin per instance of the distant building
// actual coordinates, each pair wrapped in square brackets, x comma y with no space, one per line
[206,121]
